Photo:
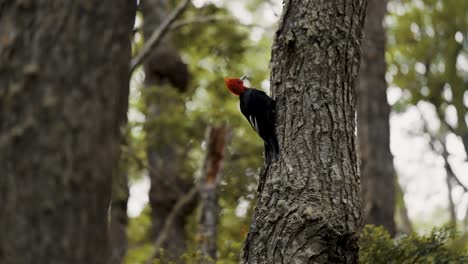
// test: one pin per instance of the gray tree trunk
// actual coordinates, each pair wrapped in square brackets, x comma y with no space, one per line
[211,175]
[309,203]
[165,76]
[373,115]
[64,75]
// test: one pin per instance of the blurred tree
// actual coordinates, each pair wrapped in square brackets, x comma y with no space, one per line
[309,207]
[438,145]
[64,73]
[428,59]
[428,47]
[428,51]
[373,119]
[166,75]
[211,176]
[218,48]
[403,223]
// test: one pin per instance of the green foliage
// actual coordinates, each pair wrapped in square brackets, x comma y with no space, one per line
[138,235]
[440,246]
[212,51]
[427,41]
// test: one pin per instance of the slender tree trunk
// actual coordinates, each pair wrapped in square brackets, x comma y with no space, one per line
[309,205]
[405,226]
[211,175]
[452,213]
[465,222]
[64,74]
[448,180]
[373,112]
[165,76]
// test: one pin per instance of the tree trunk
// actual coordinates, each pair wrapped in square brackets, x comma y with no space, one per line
[118,218]
[165,71]
[309,206]
[452,213]
[64,75]
[448,180]
[211,175]
[373,112]
[405,226]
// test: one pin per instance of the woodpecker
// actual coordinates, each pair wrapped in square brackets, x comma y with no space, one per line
[259,109]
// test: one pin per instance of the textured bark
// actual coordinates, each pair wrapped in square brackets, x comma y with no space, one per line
[166,152]
[64,74]
[309,206]
[373,119]
[211,175]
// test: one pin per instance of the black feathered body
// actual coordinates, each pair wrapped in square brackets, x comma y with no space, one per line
[259,109]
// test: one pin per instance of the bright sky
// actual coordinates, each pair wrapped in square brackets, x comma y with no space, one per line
[421,172]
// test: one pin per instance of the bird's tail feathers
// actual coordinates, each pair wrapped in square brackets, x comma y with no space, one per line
[271,150]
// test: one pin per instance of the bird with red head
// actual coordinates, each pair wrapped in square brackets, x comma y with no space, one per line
[259,109]
[236,85]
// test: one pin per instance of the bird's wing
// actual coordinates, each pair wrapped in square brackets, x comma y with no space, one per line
[258,108]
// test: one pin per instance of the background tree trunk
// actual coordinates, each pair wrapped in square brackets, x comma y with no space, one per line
[165,76]
[373,112]
[404,222]
[309,207]
[211,175]
[64,75]
[451,207]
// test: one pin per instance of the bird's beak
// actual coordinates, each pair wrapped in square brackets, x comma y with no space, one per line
[243,78]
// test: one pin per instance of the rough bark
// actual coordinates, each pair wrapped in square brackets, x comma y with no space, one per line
[164,72]
[373,119]
[64,76]
[309,207]
[211,175]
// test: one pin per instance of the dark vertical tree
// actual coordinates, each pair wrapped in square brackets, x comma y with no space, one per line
[211,175]
[118,217]
[166,76]
[373,117]
[309,206]
[64,75]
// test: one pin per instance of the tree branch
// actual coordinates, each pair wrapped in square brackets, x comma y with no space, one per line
[199,20]
[181,203]
[158,35]
[444,154]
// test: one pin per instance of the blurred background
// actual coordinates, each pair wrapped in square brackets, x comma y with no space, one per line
[173,105]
